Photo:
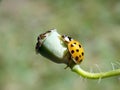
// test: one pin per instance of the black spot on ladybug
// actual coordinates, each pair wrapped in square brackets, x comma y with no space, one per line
[76,58]
[72,45]
[72,51]
[79,46]
[77,50]
[81,60]
[82,53]
[75,43]
[80,56]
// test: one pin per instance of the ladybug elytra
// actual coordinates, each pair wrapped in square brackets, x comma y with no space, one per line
[75,49]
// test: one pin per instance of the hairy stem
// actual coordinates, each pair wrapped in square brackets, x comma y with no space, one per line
[89,75]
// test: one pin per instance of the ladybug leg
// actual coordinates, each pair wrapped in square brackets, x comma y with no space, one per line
[69,61]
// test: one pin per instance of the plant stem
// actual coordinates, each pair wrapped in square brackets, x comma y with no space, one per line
[89,75]
[52,47]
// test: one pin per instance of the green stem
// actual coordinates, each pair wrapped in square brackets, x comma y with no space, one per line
[89,75]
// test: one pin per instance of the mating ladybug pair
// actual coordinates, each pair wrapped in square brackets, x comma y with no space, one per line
[75,49]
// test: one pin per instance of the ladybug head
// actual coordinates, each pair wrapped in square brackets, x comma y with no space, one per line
[66,38]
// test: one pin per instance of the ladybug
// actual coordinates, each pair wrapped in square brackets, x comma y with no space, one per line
[75,49]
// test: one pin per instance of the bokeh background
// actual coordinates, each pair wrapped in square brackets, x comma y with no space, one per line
[95,23]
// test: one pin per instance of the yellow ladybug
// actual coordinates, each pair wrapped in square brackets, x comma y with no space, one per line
[75,48]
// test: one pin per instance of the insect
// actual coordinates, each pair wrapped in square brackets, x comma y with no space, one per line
[75,49]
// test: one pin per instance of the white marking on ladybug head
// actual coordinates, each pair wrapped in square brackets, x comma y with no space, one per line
[67,38]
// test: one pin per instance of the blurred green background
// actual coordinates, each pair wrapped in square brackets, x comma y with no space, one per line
[95,23]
